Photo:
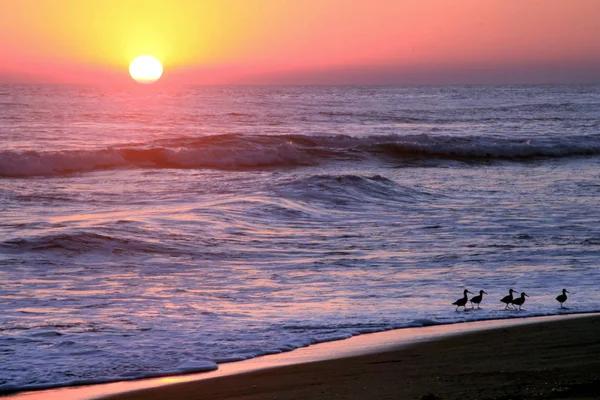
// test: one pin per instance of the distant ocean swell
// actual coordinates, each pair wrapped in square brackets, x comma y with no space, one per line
[257,151]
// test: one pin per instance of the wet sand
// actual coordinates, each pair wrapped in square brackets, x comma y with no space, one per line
[548,360]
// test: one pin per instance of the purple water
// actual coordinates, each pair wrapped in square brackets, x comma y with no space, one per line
[165,231]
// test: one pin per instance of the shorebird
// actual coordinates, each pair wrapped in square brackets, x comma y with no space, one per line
[561,298]
[508,299]
[520,300]
[477,299]
[462,301]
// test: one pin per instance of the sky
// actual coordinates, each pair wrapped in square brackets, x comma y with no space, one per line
[303,42]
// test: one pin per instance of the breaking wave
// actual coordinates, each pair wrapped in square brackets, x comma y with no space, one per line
[260,151]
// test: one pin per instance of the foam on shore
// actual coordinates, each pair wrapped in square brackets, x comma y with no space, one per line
[358,345]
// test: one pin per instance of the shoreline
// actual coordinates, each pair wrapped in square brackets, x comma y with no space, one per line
[546,360]
[366,345]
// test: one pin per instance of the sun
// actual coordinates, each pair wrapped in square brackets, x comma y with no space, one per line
[146,69]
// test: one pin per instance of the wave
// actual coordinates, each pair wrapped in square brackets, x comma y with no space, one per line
[83,242]
[231,151]
[349,189]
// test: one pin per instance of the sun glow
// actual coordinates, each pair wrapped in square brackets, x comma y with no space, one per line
[146,69]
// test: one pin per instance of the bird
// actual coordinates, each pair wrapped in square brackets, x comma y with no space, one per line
[520,300]
[477,299]
[508,299]
[462,301]
[561,298]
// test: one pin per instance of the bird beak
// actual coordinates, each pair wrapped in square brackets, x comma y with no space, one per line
[566,291]
[469,292]
[485,292]
[526,294]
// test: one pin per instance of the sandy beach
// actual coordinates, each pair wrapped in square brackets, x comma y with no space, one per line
[549,360]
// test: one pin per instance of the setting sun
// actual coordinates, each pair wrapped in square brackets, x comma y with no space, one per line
[146,69]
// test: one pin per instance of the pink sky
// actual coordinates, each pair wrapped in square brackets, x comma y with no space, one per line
[303,42]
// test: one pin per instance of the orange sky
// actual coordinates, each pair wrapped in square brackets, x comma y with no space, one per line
[304,41]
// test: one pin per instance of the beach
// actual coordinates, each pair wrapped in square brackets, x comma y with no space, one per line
[169,231]
[549,360]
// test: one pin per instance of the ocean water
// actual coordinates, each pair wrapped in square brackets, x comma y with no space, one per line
[149,231]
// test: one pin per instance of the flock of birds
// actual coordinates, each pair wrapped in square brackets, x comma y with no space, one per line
[508,300]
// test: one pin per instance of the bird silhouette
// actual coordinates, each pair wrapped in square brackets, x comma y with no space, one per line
[520,300]
[477,299]
[462,301]
[561,298]
[508,299]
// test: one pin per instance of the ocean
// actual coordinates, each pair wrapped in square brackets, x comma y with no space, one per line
[148,230]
